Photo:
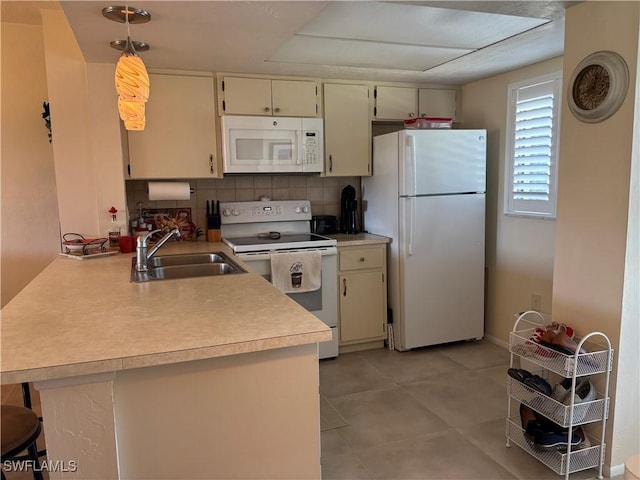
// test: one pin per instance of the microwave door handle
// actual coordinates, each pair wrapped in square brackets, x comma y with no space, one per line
[301,147]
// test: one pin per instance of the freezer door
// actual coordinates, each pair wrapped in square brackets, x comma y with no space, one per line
[437,162]
[441,270]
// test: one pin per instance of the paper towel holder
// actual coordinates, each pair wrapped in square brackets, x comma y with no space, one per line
[167,190]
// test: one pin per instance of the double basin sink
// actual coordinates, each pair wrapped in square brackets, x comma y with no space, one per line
[187,265]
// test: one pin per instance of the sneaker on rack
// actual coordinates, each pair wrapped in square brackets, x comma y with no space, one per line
[553,440]
[584,392]
[561,390]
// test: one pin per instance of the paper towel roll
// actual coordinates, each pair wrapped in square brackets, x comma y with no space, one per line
[169,191]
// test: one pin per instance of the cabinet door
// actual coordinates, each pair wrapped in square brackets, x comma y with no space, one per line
[437,103]
[179,139]
[396,103]
[294,98]
[362,306]
[347,130]
[247,96]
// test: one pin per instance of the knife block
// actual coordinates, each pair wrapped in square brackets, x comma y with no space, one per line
[214,235]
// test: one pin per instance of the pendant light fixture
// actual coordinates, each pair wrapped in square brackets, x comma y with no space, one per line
[131,77]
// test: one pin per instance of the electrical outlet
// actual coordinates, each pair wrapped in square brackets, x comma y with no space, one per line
[536,302]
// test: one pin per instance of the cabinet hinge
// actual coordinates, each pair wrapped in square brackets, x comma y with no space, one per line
[223,85]
[375,111]
[383,278]
[211,170]
[224,107]
[375,93]
[129,169]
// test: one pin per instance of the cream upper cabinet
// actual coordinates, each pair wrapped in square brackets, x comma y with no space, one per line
[437,103]
[347,130]
[395,103]
[362,288]
[179,139]
[294,98]
[263,96]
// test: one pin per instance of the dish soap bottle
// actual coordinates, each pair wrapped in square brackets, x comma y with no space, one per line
[114,229]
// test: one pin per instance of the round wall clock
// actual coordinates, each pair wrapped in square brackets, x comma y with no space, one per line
[598,86]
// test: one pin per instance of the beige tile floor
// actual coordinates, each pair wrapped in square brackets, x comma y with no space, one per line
[431,413]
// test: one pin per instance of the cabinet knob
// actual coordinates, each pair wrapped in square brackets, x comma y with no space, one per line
[276,110]
[266,109]
[362,259]
[411,115]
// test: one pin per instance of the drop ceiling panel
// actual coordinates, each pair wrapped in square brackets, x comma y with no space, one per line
[357,53]
[412,24]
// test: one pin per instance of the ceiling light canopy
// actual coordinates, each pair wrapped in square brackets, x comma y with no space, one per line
[131,77]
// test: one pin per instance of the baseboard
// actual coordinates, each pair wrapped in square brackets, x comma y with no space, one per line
[614,471]
[358,347]
[497,341]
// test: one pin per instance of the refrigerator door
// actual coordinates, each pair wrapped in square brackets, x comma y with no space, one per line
[434,162]
[441,266]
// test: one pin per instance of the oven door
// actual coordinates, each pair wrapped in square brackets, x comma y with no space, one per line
[323,303]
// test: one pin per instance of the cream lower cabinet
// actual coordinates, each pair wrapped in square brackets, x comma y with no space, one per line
[347,130]
[179,139]
[363,294]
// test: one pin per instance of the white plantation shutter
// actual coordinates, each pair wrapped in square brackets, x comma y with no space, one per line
[532,147]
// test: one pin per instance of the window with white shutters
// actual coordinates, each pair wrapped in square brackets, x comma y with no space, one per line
[532,146]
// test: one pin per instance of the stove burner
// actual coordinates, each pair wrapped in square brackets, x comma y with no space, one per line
[271,235]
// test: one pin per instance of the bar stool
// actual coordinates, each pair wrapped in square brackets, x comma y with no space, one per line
[26,399]
[20,430]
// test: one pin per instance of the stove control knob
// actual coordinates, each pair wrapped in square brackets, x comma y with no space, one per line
[305,209]
[235,212]
[297,209]
[226,212]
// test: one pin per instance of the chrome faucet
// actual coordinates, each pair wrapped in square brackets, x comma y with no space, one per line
[142,244]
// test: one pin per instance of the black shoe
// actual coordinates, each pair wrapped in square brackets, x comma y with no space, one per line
[551,441]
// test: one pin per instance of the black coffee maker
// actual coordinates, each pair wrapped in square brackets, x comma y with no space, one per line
[349,210]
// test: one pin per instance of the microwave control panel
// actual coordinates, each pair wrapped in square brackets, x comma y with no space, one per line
[310,147]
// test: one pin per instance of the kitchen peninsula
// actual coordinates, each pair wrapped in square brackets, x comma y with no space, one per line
[211,377]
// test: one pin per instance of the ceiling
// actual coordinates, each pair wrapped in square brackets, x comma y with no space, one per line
[441,42]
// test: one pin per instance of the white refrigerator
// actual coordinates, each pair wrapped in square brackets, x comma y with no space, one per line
[427,193]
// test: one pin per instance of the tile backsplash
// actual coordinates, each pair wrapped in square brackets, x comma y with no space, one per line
[323,192]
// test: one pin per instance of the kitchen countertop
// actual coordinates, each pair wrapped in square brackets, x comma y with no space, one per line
[356,239]
[84,317]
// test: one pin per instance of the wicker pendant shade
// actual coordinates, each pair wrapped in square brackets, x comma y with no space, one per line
[132,114]
[131,77]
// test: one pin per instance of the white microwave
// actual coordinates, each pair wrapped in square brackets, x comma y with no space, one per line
[272,144]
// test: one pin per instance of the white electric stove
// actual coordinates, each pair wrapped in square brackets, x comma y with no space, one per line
[257,230]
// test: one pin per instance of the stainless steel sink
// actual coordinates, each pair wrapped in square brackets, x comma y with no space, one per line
[188,259]
[188,265]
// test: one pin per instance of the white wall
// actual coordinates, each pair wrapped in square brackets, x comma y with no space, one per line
[592,263]
[88,152]
[30,228]
[520,250]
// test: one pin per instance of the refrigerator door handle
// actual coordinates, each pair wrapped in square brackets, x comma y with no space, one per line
[410,172]
[411,223]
